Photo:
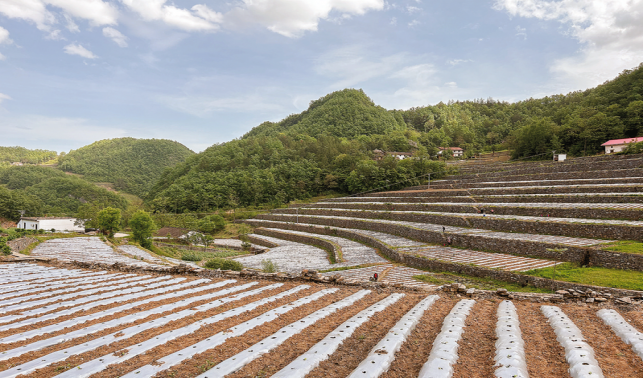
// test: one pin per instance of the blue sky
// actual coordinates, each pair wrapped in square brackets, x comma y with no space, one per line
[202,72]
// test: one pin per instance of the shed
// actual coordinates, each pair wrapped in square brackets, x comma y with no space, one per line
[49,223]
[618,145]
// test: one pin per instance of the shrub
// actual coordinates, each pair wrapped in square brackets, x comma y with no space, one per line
[223,264]
[190,257]
[268,266]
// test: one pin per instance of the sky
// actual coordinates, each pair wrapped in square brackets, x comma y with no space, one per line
[203,71]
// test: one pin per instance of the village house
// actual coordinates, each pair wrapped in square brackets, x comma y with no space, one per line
[49,223]
[618,145]
[457,151]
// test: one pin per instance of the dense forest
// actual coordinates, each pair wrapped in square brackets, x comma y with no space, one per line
[42,190]
[333,147]
[10,155]
[131,165]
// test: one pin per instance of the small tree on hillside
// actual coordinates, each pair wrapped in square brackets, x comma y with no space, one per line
[212,223]
[109,220]
[142,227]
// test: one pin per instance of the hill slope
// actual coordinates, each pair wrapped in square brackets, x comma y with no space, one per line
[10,155]
[132,165]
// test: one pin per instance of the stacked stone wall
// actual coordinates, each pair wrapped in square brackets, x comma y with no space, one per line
[586,213]
[581,230]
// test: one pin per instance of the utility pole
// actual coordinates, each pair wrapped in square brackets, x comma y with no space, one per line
[428,185]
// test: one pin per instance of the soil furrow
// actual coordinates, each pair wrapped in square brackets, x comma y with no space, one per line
[415,351]
[477,346]
[355,349]
[545,356]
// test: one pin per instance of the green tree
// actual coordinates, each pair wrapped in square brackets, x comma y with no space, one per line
[109,220]
[142,227]
[212,223]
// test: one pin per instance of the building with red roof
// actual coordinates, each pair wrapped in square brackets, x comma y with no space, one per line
[618,145]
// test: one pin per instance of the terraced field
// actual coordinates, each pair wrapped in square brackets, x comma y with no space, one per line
[82,323]
[512,217]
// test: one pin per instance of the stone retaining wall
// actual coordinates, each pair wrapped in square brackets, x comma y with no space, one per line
[585,213]
[433,194]
[579,255]
[443,266]
[509,199]
[332,248]
[542,227]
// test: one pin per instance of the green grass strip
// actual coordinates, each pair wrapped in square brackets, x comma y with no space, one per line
[568,272]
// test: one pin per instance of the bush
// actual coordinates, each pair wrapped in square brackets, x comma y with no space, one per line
[190,257]
[223,264]
[268,266]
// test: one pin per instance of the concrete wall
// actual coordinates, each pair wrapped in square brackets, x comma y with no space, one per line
[48,224]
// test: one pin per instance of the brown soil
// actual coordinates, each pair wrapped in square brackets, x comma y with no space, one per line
[77,359]
[477,346]
[545,356]
[615,358]
[199,363]
[355,349]
[297,345]
[415,351]
[129,311]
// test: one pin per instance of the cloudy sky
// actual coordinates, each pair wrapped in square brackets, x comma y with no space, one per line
[206,71]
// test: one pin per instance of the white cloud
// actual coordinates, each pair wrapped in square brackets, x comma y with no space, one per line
[610,31]
[411,9]
[208,14]
[521,32]
[351,66]
[157,10]
[71,25]
[116,36]
[414,23]
[96,12]
[4,97]
[2,57]
[76,49]
[292,18]
[455,62]
[4,36]
[202,106]
[52,129]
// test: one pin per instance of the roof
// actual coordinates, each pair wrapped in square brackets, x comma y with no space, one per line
[451,148]
[44,218]
[614,142]
[400,153]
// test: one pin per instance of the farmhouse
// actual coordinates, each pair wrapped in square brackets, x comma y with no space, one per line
[457,151]
[618,145]
[48,223]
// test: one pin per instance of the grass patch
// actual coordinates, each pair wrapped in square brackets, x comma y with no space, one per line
[444,278]
[622,279]
[346,268]
[223,264]
[235,230]
[625,246]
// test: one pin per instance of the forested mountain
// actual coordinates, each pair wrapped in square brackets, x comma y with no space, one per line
[41,190]
[347,113]
[329,146]
[576,123]
[131,165]
[10,155]
[306,154]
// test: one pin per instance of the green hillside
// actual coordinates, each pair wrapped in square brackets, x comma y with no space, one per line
[40,191]
[10,155]
[348,113]
[330,146]
[131,165]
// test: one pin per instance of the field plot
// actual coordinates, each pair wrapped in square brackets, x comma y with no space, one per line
[82,323]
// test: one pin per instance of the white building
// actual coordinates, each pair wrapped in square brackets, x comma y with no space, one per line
[457,151]
[618,145]
[49,223]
